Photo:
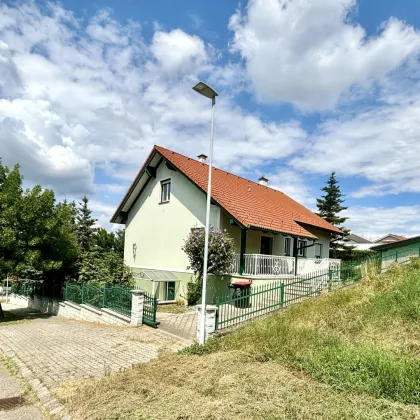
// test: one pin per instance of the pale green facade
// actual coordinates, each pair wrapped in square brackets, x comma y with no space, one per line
[155,233]
[399,252]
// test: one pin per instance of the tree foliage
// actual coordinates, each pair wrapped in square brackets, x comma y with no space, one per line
[221,253]
[35,231]
[330,205]
[54,241]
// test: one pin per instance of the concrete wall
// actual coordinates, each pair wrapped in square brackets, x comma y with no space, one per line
[159,229]
[71,310]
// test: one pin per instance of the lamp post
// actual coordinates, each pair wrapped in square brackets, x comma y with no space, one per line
[208,92]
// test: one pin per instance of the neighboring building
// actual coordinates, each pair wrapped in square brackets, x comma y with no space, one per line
[398,251]
[168,198]
[355,239]
[389,238]
[358,242]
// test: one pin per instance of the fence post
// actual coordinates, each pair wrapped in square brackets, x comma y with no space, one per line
[104,297]
[83,292]
[210,325]
[137,304]
[65,291]
[282,295]
[330,277]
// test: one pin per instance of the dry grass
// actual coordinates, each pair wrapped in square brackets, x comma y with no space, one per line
[229,385]
[329,358]
[27,394]
[173,308]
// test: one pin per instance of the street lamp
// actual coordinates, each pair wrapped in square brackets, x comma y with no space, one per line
[208,92]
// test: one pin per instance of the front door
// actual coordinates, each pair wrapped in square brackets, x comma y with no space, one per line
[170,290]
[266,247]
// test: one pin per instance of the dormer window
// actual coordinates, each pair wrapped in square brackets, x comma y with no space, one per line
[165,194]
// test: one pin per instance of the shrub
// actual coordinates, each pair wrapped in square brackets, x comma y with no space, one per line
[194,289]
[221,252]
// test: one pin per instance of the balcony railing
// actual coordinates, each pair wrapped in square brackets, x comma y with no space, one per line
[277,265]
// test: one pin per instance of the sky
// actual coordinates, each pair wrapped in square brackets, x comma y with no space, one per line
[306,87]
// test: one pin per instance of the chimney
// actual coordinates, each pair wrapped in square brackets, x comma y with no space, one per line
[263,181]
[202,158]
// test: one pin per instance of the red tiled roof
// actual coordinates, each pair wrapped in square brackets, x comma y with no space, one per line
[252,204]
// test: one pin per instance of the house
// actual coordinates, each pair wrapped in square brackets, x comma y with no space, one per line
[358,242]
[398,251]
[355,240]
[274,235]
[389,238]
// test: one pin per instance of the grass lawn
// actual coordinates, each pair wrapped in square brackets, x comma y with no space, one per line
[351,354]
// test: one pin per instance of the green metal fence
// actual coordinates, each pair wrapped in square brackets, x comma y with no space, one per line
[21,288]
[118,299]
[73,292]
[149,310]
[399,256]
[93,295]
[32,288]
[233,310]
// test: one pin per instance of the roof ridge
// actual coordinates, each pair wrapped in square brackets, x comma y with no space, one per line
[293,212]
[222,170]
[251,204]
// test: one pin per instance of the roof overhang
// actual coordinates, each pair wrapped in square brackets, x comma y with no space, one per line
[283,232]
[335,231]
[147,172]
[156,275]
[396,244]
[140,182]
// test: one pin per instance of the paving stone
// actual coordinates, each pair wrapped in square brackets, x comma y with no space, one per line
[59,350]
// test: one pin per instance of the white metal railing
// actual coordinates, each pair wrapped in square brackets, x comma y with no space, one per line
[278,265]
[235,264]
[334,264]
[263,265]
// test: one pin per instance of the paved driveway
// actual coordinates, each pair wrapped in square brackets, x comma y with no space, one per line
[182,325]
[59,350]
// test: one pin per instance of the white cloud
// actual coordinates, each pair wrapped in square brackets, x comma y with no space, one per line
[310,52]
[94,94]
[380,144]
[178,51]
[374,222]
[292,184]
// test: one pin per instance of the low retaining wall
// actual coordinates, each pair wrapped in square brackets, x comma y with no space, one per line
[72,310]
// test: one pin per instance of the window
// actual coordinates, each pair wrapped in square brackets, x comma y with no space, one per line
[301,252]
[165,194]
[287,245]
[266,245]
[318,250]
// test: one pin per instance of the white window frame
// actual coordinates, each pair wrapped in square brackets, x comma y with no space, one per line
[301,252]
[287,246]
[320,250]
[165,191]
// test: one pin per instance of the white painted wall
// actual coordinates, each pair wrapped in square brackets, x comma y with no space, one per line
[159,230]
[323,238]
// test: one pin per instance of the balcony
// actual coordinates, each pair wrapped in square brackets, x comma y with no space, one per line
[260,265]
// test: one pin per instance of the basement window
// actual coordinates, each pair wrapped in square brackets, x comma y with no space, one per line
[165,194]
